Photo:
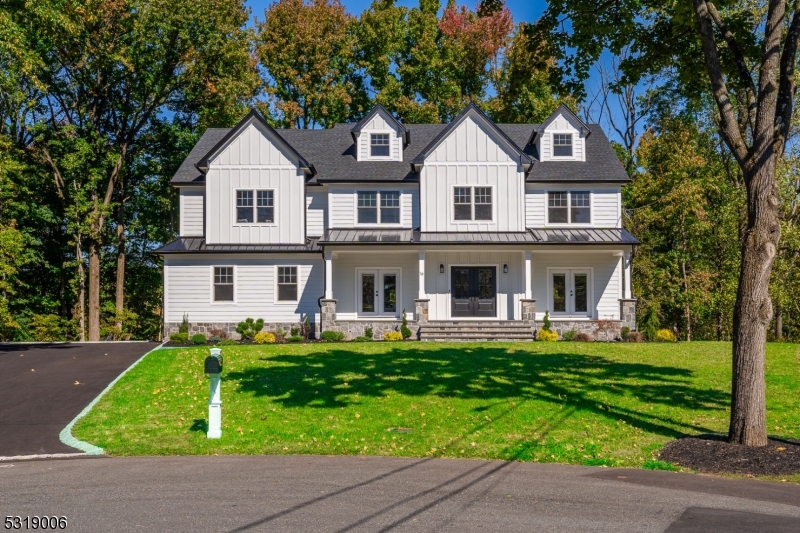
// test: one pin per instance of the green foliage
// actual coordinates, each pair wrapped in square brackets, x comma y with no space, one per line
[393,336]
[362,339]
[368,333]
[649,322]
[198,339]
[184,327]
[569,335]
[332,336]
[215,339]
[546,321]
[404,330]
[307,331]
[634,336]
[248,328]
[546,335]
[47,328]
[623,333]
[179,338]
[228,342]
[295,331]
[295,338]
[116,325]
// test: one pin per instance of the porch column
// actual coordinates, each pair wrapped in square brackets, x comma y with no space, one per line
[421,291]
[626,288]
[527,275]
[328,275]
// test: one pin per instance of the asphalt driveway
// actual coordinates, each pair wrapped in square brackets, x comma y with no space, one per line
[44,386]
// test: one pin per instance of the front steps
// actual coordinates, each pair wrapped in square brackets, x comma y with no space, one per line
[476,330]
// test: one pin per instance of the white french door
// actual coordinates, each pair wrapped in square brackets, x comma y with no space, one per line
[570,292]
[378,291]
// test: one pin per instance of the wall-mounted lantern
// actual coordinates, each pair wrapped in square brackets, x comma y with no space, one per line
[441,268]
[505,268]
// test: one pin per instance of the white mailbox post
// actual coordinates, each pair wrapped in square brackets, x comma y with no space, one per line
[213,367]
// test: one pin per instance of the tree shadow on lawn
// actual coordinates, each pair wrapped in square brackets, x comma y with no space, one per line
[332,378]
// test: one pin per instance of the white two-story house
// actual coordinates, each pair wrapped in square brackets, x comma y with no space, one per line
[474,229]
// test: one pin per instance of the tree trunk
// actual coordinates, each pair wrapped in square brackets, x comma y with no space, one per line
[94,290]
[779,324]
[120,288]
[81,286]
[753,311]
[687,308]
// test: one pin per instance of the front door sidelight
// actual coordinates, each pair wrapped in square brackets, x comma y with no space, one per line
[473,291]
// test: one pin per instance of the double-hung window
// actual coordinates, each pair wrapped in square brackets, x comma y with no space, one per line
[379,144]
[562,145]
[472,203]
[223,284]
[287,283]
[379,207]
[569,207]
[255,206]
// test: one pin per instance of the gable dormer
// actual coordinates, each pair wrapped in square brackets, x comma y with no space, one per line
[562,137]
[379,136]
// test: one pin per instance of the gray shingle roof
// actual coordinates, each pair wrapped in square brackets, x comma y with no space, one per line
[198,244]
[332,153]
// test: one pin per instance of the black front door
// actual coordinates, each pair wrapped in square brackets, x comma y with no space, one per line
[474,291]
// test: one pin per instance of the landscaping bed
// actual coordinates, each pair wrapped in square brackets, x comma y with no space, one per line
[614,404]
[713,454]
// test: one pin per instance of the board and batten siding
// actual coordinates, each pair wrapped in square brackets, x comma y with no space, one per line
[188,288]
[606,208]
[378,124]
[316,211]
[561,124]
[191,211]
[471,155]
[342,203]
[345,283]
[253,161]
[606,280]
[510,286]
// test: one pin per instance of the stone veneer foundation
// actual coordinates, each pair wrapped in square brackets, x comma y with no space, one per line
[600,330]
[230,328]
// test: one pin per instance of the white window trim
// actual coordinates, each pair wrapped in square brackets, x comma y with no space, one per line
[401,199]
[452,204]
[255,224]
[497,272]
[589,294]
[235,285]
[392,141]
[569,209]
[576,138]
[378,271]
[275,286]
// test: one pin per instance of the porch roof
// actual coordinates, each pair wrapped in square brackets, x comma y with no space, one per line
[198,244]
[583,235]
[531,236]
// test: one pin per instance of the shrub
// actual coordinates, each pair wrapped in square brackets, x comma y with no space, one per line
[546,322]
[569,335]
[634,336]
[361,339]
[280,335]
[264,337]
[393,336]
[368,333]
[665,335]
[198,339]
[295,331]
[221,334]
[650,322]
[249,327]
[46,328]
[179,338]
[332,336]
[184,327]
[294,338]
[546,335]
[583,337]
[307,331]
[623,333]
[215,339]
[228,342]
[404,331]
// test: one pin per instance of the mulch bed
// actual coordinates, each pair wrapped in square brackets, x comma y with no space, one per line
[713,454]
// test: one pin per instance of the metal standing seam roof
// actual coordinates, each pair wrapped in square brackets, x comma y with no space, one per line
[332,154]
[532,236]
[583,235]
[198,244]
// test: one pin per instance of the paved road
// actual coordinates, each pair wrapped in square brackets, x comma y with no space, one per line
[38,394]
[338,494]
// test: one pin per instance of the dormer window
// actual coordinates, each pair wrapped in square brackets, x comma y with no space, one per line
[562,145]
[379,144]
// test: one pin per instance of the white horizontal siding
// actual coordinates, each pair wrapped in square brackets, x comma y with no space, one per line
[342,205]
[188,288]
[191,211]
[606,209]
[605,281]
[510,286]
[316,212]
[345,283]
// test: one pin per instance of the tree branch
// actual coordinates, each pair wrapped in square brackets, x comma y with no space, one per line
[787,86]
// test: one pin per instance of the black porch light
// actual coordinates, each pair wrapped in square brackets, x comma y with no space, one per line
[505,268]
[441,268]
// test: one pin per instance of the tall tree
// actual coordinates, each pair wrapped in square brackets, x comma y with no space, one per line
[749,53]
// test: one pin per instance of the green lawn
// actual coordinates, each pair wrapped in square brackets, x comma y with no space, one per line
[592,404]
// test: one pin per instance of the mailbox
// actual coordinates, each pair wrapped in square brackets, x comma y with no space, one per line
[214,364]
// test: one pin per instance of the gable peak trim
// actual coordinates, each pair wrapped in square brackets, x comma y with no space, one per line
[377,108]
[560,110]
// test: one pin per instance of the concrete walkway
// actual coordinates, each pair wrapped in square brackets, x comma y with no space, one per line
[338,494]
[45,386]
